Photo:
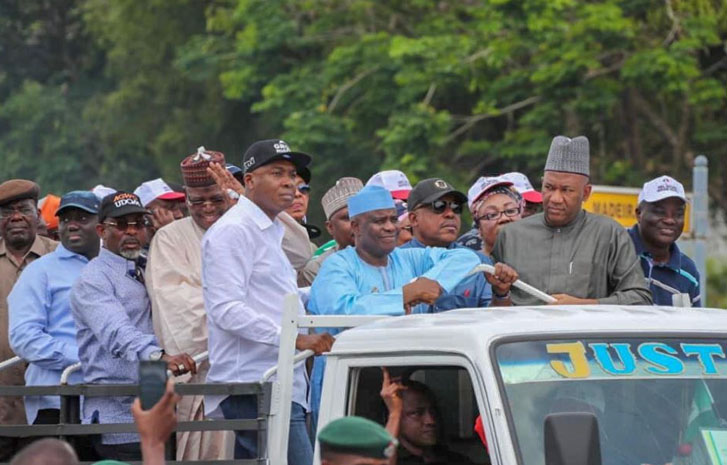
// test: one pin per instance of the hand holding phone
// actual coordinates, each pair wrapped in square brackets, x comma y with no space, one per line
[152,382]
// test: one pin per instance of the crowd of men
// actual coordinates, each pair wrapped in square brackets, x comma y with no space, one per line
[167,272]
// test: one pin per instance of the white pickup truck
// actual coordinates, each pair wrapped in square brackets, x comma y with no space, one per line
[553,385]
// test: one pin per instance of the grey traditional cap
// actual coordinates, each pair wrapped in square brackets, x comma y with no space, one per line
[337,196]
[569,155]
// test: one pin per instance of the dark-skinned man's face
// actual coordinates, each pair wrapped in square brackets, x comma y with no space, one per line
[339,227]
[272,187]
[661,223]
[437,228]
[77,231]
[206,204]
[19,223]
[125,235]
[418,420]
[563,196]
[376,231]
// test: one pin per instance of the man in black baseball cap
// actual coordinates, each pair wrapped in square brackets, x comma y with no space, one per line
[435,209]
[263,152]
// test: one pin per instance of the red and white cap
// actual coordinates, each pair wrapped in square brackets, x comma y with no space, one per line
[156,189]
[484,184]
[662,188]
[394,181]
[522,184]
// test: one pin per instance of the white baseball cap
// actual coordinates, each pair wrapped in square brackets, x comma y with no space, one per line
[101,191]
[394,181]
[662,188]
[484,184]
[156,189]
[522,184]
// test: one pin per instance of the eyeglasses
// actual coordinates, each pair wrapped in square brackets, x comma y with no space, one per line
[510,212]
[440,206]
[124,225]
[304,189]
[25,210]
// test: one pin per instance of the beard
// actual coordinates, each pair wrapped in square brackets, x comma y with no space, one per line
[130,254]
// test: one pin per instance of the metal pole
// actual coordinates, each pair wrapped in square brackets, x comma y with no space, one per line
[700,220]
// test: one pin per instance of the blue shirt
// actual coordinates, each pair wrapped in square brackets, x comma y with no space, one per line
[471,239]
[474,291]
[113,317]
[346,285]
[678,276]
[41,327]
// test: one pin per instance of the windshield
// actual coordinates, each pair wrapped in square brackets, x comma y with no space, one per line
[657,400]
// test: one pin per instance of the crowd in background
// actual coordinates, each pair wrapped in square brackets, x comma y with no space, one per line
[108,278]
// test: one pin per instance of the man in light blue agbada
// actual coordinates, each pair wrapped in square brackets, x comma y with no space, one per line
[41,328]
[376,278]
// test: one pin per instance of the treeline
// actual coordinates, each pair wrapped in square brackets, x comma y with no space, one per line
[118,91]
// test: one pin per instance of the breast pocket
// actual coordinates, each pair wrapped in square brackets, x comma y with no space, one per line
[583,277]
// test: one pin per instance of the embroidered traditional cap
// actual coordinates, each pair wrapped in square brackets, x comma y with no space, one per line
[368,199]
[523,186]
[482,185]
[337,196]
[661,188]
[429,190]
[18,189]
[194,167]
[357,436]
[149,191]
[394,181]
[569,155]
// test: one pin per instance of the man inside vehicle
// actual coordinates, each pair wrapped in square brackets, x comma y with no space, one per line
[414,419]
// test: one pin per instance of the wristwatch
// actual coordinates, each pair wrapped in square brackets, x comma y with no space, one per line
[156,355]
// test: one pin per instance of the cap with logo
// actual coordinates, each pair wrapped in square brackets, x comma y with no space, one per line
[429,190]
[84,200]
[522,184]
[120,203]
[336,197]
[482,185]
[18,189]
[263,152]
[662,188]
[394,181]
[194,167]
[156,189]
[357,436]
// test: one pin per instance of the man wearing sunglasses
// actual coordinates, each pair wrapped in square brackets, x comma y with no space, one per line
[112,313]
[174,282]
[434,213]
[19,246]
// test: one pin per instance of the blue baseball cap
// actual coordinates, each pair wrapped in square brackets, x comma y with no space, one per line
[85,200]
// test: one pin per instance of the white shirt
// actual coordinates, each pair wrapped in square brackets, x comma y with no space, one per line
[245,277]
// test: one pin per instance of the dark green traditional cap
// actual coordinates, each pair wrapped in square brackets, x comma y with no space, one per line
[357,436]
[110,462]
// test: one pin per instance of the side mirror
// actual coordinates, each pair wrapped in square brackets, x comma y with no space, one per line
[572,439]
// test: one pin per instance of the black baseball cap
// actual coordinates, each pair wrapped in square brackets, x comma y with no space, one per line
[119,204]
[429,190]
[84,200]
[263,152]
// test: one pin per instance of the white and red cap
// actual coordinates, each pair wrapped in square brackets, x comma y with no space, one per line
[156,189]
[484,184]
[394,181]
[662,188]
[522,184]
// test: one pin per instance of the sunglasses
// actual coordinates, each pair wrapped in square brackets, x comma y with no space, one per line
[123,225]
[303,189]
[440,206]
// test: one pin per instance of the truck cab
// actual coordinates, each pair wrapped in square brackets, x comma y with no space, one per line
[625,385]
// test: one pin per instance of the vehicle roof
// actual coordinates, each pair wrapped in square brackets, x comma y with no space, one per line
[460,329]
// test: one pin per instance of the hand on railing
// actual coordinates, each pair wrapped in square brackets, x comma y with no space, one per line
[537,293]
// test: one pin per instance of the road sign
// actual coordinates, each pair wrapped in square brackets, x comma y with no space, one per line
[620,204]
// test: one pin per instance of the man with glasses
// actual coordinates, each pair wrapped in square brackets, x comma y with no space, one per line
[19,245]
[296,241]
[174,283]
[112,312]
[42,331]
[434,214]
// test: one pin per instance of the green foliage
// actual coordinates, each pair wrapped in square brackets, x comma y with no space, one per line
[716,279]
